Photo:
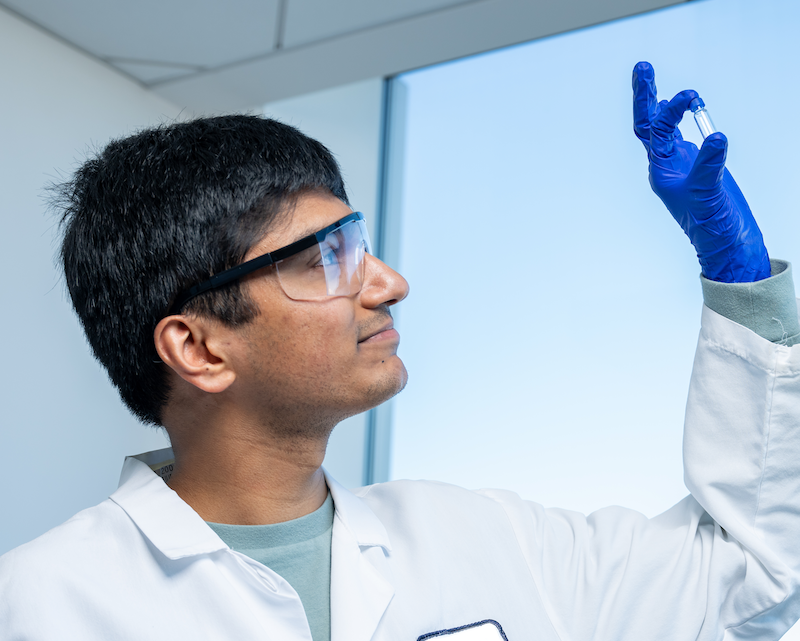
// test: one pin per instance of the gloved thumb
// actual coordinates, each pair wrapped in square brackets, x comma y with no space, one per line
[709,166]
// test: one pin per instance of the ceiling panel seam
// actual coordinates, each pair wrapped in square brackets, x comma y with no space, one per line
[155,63]
[280,27]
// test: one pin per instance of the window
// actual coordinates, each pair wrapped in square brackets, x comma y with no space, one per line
[554,303]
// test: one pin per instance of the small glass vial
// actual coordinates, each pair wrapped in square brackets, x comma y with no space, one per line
[701,117]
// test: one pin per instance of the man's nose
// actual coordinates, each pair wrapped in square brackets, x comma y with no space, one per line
[382,285]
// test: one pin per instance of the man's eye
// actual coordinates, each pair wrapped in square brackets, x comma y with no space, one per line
[334,240]
[321,259]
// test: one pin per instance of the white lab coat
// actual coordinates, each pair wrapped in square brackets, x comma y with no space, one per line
[411,558]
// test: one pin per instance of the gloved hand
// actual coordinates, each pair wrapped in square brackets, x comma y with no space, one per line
[696,188]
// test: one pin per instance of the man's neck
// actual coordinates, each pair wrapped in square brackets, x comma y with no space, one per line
[248,477]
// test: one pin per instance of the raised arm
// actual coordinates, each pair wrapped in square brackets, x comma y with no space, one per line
[725,561]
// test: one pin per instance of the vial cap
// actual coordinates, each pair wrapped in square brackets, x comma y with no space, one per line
[696,103]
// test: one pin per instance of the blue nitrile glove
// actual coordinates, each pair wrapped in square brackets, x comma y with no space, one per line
[696,188]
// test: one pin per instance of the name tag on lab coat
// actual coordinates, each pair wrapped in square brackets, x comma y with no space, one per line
[481,631]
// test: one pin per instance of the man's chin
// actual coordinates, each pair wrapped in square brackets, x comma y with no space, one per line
[390,383]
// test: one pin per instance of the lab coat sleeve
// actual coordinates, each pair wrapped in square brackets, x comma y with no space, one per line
[722,563]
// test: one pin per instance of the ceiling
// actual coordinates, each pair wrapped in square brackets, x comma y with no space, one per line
[210,55]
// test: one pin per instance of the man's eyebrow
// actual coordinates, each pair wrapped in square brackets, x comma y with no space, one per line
[308,232]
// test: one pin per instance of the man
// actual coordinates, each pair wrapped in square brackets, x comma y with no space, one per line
[226,285]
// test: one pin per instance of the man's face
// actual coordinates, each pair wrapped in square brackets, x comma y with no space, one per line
[319,361]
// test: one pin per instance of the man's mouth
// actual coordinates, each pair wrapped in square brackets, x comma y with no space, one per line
[386,330]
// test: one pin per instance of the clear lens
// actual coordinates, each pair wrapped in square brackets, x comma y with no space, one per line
[332,267]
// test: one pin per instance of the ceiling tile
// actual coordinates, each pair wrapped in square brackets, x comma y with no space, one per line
[310,20]
[183,32]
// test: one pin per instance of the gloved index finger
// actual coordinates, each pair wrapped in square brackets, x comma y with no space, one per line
[662,129]
[645,101]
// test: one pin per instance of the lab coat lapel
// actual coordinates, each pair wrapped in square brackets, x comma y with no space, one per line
[361,582]
[162,516]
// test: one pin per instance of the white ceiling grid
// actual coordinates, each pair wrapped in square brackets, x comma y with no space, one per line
[221,55]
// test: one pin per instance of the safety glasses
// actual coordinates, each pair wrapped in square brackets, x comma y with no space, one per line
[329,262]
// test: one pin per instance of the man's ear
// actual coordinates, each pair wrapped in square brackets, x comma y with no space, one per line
[196,350]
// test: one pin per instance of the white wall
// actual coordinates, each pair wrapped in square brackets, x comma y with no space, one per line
[347,120]
[63,431]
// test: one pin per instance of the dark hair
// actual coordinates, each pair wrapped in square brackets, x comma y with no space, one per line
[159,211]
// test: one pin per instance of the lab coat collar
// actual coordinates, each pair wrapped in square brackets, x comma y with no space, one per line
[148,500]
[162,516]
[354,515]
[361,581]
